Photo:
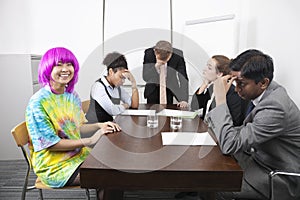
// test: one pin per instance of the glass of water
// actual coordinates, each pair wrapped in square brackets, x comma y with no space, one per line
[152,121]
[176,122]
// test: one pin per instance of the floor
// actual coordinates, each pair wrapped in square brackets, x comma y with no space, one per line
[12,175]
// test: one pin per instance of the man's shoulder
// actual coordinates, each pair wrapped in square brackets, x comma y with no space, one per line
[275,89]
[148,50]
[177,52]
[149,53]
[277,96]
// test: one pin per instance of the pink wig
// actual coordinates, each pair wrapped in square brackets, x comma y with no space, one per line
[51,59]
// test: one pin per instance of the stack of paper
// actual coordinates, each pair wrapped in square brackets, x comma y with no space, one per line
[138,112]
[187,138]
[183,114]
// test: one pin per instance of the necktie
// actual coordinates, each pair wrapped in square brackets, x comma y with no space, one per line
[250,108]
[162,84]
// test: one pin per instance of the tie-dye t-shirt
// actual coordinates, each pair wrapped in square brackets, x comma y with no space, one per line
[51,117]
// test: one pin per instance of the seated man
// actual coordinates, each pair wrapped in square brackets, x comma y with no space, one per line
[164,72]
[107,97]
[269,138]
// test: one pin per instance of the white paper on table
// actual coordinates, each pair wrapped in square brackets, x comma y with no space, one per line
[199,112]
[187,138]
[138,112]
[182,113]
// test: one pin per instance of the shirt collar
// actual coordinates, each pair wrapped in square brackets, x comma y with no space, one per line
[255,101]
[106,83]
[207,87]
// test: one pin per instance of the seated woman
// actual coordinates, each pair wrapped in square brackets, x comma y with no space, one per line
[55,121]
[107,97]
[216,66]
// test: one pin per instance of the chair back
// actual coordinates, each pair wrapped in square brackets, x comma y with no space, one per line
[21,137]
[85,105]
[20,134]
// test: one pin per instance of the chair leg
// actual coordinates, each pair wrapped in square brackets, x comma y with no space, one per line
[25,189]
[41,194]
[23,194]
[87,194]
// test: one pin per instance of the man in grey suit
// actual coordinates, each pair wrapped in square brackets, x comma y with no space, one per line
[269,138]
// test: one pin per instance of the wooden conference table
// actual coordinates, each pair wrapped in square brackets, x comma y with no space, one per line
[135,159]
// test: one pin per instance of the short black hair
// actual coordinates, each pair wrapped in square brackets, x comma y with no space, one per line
[115,60]
[253,64]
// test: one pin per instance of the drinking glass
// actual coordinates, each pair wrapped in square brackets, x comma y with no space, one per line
[176,122]
[152,121]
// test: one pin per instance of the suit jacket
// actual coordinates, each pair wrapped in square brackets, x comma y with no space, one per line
[177,80]
[269,139]
[235,104]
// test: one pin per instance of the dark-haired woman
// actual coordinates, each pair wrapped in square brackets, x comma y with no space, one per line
[203,98]
[108,99]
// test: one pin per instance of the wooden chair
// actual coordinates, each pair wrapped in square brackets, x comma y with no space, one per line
[85,105]
[21,137]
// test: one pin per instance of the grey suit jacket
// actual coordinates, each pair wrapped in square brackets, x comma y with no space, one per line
[269,139]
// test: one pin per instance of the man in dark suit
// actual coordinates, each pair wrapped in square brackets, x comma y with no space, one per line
[269,138]
[164,55]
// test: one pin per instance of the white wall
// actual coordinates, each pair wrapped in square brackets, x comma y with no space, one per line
[273,27]
[212,38]
[33,26]
[14,17]
[16,89]
[15,80]
[130,27]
